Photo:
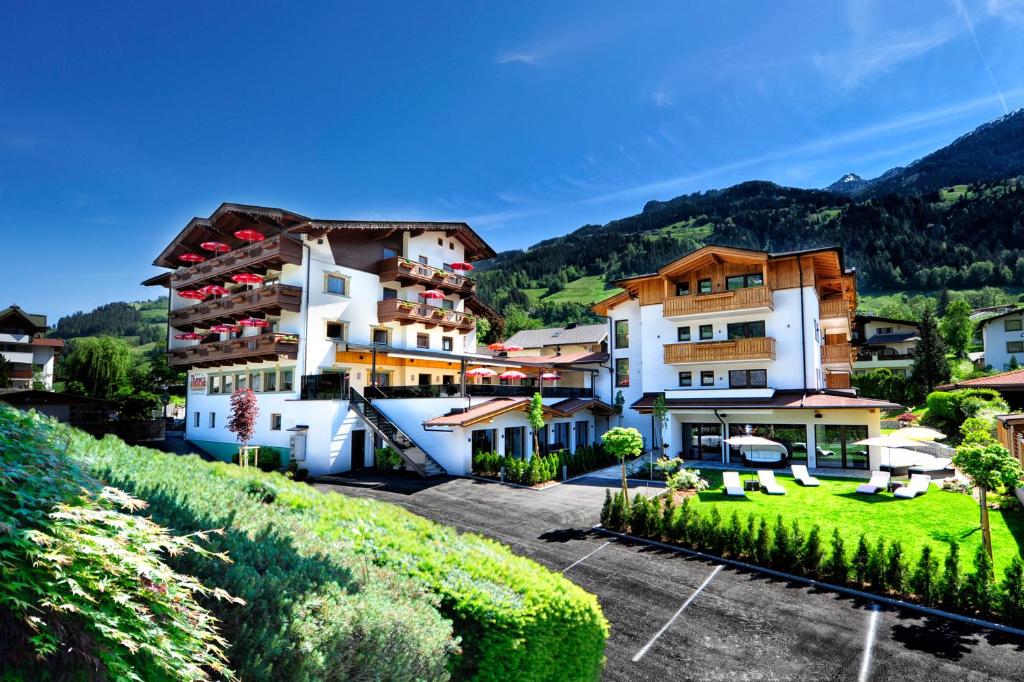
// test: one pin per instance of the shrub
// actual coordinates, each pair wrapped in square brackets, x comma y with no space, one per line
[387,458]
[1011,593]
[812,554]
[762,543]
[876,565]
[896,568]
[733,536]
[617,517]
[268,458]
[860,561]
[924,580]
[606,508]
[686,479]
[979,589]
[838,567]
[783,554]
[951,585]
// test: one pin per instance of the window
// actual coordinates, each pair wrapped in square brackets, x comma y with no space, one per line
[484,440]
[1015,346]
[686,379]
[748,378]
[195,420]
[683,288]
[744,281]
[335,284]
[884,330]
[560,433]
[582,433]
[256,381]
[214,384]
[390,294]
[622,372]
[241,382]
[1012,325]
[423,341]
[286,379]
[423,260]
[447,343]
[447,304]
[622,333]
[440,242]
[447,267]
[275,422]
[380,337]
[335,330]
[682,334]
[270,380]
[515,441]
[451,246]
[707,332]
[227,382]
[746,330]
[388,252]
[704,286]
[707,378]
[213,420]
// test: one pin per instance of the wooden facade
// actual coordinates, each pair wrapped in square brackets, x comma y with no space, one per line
[408,272]
[261,348]
[737,350]
[837,380]
[835,308]
[739,299]
[362,251]
[837,354]
[269,254]
[270,299]
[405,312]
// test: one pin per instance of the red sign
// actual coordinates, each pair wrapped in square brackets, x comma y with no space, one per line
[197,383]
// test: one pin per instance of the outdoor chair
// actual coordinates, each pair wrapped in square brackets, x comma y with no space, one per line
[918,486]
[731,481]
[767,480]
[804,478]
[879,480]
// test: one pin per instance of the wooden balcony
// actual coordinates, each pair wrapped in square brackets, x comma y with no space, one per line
[837,354]
[737,350]
[751,298]
[405,312]
[270,254]
[835,308]
[837,380]
[407,273]
[264,300]
[262,348]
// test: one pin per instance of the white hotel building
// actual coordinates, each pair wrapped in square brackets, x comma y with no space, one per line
[343,351]
[744,342]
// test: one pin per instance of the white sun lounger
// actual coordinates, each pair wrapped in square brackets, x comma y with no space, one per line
[731,481]
[918,486]
[767,480]
[879,480]
[801,475]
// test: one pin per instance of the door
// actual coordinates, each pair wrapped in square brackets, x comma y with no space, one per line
[358,450]
[424,379]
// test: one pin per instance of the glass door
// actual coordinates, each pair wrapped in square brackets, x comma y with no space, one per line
[702,442]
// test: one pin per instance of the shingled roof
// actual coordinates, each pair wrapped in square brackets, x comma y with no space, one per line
[559,336]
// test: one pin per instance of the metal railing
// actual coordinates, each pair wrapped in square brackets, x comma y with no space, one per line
[324,387]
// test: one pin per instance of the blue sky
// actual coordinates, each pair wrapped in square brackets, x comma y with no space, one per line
[119,122]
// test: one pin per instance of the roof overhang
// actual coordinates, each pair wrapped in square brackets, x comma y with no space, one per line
[476,247]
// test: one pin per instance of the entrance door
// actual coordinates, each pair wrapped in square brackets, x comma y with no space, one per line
[358,450]
[702,442]
[424,379]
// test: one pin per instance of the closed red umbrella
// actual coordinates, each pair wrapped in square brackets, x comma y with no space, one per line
[214,290]
[253,322]
[433,293]
[497,345]
[192,294]
[462,265]
[513,347]
[224,329]
[246,278]
[188,336]
[250,235]
[216,247]
[191,258]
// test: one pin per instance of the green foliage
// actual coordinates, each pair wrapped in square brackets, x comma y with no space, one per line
[950,589]
[980,587]
[606,508]
[859,564]
[896,568]
[618,515]
[931,367]
[924,581]
[957,327]
[100,365]
[386,458]
[876,565]
[83,588]
[623,442]
[1011,593]
[947,410]
[838,566]
[6,369]
[812,554]
[989,466]
[686,479]
[884,384]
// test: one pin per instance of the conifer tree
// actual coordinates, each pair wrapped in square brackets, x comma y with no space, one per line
[951,585]
[896,569]
[930,365]
[812,554]
[860,561]
[924,580]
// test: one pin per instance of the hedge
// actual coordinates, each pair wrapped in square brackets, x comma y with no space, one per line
[363,584]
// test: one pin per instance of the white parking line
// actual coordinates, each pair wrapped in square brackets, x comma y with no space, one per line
[584,558]
[640,654]
[869,642]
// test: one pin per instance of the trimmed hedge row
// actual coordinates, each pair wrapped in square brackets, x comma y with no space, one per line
[358,585]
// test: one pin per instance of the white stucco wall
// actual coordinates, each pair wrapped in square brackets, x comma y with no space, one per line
[995,337]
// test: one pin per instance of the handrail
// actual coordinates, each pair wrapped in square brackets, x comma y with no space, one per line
[358,400]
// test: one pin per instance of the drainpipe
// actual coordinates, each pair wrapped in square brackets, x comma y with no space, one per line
[725,433]
[803,330]
[308,259]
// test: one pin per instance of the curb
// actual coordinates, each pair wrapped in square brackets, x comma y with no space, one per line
[860,594]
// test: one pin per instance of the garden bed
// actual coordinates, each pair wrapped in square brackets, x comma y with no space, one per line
[541,471]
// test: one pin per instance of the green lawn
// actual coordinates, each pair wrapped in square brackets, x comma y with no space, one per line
[937,518]
[583,290]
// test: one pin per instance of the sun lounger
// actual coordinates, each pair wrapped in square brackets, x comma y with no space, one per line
[767,480]
[801,475]
[731,480]
[918,486]
[879,480]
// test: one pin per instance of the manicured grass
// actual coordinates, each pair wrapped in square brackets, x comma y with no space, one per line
[583,290]
[935,519]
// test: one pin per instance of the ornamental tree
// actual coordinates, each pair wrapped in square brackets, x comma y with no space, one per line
[244,411]
[957,327]
[622,443]
[536,419]
[989,466]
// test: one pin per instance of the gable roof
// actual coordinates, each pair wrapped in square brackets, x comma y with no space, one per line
[485,411]
[1012,379]
[570,406]
[37,321]
[557,336]
[476,247]
[896,337]
[1008,313]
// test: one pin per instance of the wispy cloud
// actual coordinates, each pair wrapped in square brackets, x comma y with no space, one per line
[529,57]
[962,11]
[663,98]
[1010,10]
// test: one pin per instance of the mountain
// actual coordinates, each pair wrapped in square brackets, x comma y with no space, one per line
[990,152]
[143,324]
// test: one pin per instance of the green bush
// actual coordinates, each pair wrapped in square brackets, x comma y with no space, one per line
[342,585]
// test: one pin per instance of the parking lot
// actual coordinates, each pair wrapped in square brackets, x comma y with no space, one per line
[677,617]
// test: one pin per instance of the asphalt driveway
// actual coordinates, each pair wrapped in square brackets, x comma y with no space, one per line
[675,617]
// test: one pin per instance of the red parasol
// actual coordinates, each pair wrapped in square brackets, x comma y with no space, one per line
[191,258]
[250,235]
[246,278]
[253,322]
[188,336]
[513,347]
[462,265]
[550,376]
[512,374]
[481,372]
[224,328]
[497,345]
[216,247]
[214,290]
[193,294]
[432,293]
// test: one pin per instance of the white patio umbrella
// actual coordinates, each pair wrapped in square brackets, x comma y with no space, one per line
[893,440]
[749,440]
[920,433]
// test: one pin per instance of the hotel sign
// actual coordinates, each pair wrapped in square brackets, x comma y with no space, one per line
[197,383]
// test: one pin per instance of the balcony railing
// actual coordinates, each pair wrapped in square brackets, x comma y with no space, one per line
[837,380]
[407,312]
[880,357]
[736,350]
[499,391]
[271,253]
[270,299]
[408,272]
[750,298]
[839,307]
[837,354]
[328,386]
[259,348]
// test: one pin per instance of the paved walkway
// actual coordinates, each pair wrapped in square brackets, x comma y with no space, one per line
[678,618]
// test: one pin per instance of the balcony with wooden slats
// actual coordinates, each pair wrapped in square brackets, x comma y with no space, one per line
[270,254]
[752,298]
[837,380]
[704,352]
[837,354]
[834,308]
[268,300]
[261,348]
[406,312]
[407,273]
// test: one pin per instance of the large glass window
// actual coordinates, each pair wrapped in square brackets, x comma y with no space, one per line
[707,332]
[683,288]
[227,383]
[214,384]
[746,330]
[748,378]
[744,281]
[702,441]
[622,372]
[793,437]
[836,449]
[1013,325]
[560,435]
[704,286]
[515,441]
[484,440]
[622,333]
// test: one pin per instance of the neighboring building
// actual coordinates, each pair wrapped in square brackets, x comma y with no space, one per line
[23,345]
[1010,432]
[1009,384]
[882,342]
[573,338]
[1003,339]
[744,342]
[342,348]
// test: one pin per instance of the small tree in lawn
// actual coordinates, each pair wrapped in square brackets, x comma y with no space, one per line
[244,411]
[660,414]
[622,443]
[536,419]
[988,465]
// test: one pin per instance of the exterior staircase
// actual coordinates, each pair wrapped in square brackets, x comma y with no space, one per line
[415,458]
